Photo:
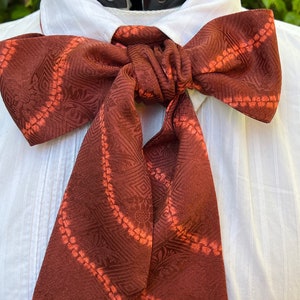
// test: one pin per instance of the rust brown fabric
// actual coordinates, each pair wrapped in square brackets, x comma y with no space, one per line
[138,222]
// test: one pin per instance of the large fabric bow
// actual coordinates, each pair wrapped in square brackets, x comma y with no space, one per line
[138,222]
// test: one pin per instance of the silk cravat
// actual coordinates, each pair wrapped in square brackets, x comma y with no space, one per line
[138,222]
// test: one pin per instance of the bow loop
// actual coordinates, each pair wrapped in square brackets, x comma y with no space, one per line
[48,92]
[161,72]
[235,59]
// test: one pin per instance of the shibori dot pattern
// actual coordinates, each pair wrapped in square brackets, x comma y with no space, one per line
[6,54]
[138,234]
[231,53]
[80,254]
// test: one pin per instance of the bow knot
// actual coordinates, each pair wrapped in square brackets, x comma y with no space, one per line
[161,71]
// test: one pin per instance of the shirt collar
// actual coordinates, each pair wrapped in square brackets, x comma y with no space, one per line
[89,18]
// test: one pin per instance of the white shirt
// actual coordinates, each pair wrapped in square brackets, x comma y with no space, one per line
[256,166]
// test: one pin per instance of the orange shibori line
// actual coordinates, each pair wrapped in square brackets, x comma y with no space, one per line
[79,254]
[260,101]
[38,120]
[192,240]
[135,232]
[6,54]
[232,52]
[193,128]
